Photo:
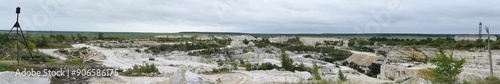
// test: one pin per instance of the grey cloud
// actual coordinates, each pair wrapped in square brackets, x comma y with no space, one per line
[259,16]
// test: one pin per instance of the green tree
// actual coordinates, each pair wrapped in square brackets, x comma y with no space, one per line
[246,41]
[248,67]
[315,72]
[73,39]
[31,45]
[79,37]
[447,69]
[44,42]
[286,62]
[101,36]
[342,78]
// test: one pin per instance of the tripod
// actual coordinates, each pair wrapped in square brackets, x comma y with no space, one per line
[18,28]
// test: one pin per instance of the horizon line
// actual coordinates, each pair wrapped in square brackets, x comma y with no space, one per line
[239,32]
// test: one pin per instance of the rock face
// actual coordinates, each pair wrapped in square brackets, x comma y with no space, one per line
[238,44]
[186,77]
[311,41]
[242,37]
[279,39]
[363,59]
[408,53]
[204,37]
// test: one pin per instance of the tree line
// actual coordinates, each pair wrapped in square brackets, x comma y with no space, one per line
[446,43]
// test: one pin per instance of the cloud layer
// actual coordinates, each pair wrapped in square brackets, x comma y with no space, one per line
[255,16]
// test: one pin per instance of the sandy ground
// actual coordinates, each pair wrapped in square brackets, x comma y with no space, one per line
[51,53]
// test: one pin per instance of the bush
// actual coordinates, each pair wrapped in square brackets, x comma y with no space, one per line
[267,66]
[383,53]
[248,67]
[262,66]
[246,41]
[447,69]
[307,56]
[235,65]
[301,67]
[221,70]
[138,70]
[220,63]
[342,78]
[286,62]
[374,70]
[242,62]
[315,72]
[225,70]
[73,62]
[138,50]
[6,67]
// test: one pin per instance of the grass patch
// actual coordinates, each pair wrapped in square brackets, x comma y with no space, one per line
[7,67]
[141,70]
[221,70]
[73,62]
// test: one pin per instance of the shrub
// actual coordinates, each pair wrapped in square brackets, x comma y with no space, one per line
[301,67]
[342,78]
[73,62]
[138,70]
[242,62]
[374,70]
[267,66]
[6,67]
[390,78]
[286,62]
[220,63]
[447,69]
[262,66]
[246,41]
[248,67]
[138,50]
[85,52]
[315,72]
[235,65]
[308,56]
[225,70]
[221,70]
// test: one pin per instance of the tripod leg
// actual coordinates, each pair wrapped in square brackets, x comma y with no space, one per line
[26,43]
[6,37]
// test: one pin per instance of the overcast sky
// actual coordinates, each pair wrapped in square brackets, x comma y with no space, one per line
[255,16]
